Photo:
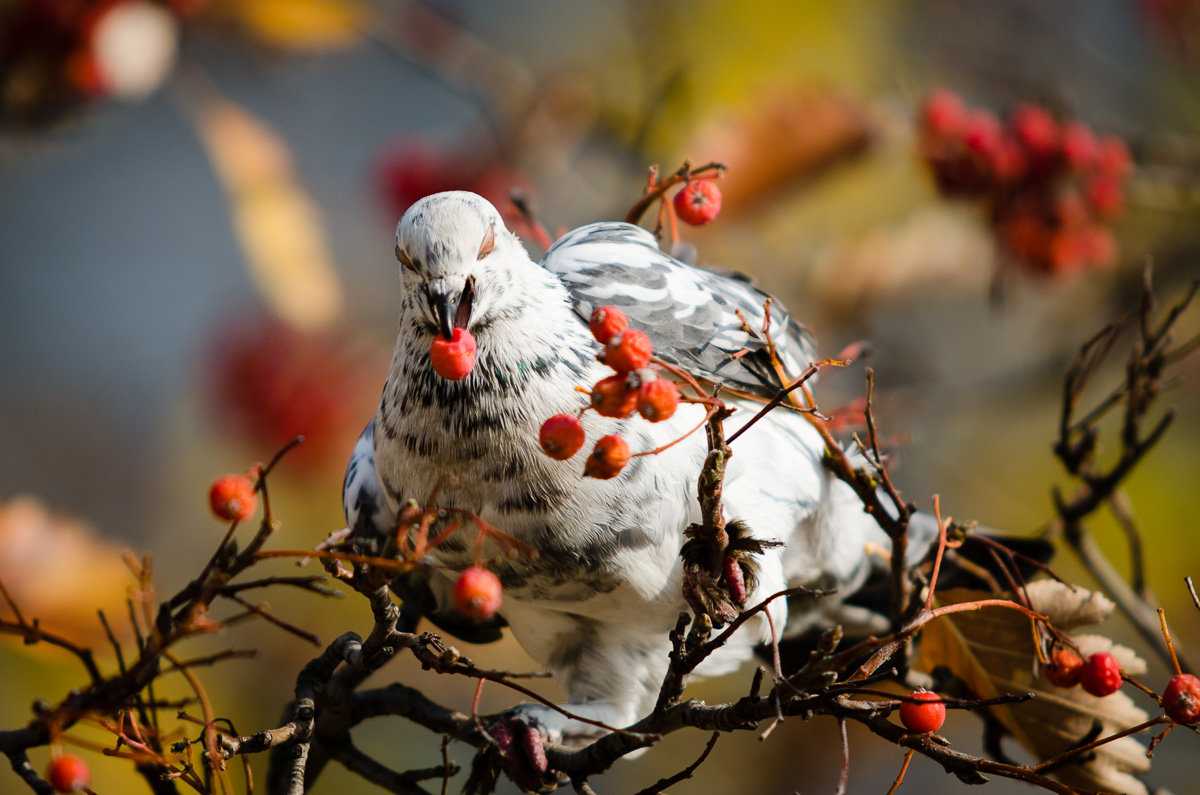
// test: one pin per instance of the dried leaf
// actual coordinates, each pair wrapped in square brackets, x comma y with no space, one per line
[992,650]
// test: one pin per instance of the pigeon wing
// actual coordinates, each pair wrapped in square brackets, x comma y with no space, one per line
[692,315]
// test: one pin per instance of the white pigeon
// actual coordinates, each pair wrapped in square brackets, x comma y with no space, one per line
[596,605]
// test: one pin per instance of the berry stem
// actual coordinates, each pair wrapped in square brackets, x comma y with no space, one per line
[1162,620]
[941,550]
[903,769]
[656,190]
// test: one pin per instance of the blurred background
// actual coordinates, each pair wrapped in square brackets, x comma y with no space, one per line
[197,203]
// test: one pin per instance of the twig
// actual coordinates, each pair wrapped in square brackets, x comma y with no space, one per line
[684,774]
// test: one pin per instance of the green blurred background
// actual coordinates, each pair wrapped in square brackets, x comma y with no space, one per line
[196,265]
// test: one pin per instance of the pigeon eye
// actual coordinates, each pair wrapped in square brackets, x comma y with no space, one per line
[405,260]
[489,240]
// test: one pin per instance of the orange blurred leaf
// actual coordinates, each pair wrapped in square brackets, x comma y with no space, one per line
[59,571]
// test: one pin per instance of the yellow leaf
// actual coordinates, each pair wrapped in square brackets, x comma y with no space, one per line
[278,226]
[302,24]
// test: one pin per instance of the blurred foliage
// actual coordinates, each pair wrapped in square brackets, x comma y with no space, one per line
[314,122]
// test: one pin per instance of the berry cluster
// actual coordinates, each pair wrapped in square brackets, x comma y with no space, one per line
[413,166]
[1099,675]
[1051,188]
[60,56]
[635,386]
[269,382]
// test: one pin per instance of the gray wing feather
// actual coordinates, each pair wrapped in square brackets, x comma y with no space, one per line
[689,313]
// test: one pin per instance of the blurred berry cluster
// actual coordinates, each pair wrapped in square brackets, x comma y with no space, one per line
[1051,187]
[56,56]
[270,382]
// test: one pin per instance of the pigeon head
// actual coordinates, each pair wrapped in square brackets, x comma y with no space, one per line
[456,257]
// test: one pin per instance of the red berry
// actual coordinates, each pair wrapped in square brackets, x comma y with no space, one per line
[612,396]
[477,593]
[454,358]
[561,436]
[698,202]
[1079,146]
[943,114]
[1068,251]
[982,133]
[606,322]
[1036,130]
[1181,699]
[232,497]
[927,716]
[608,458]
[68,773]
[1106,196]
[629,350]
[1007,160]
[1099,245]
[1070,209]
[1101,675]
[1065,668]
[657,399]
[1115,162]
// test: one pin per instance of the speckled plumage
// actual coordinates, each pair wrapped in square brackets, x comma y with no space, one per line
[596,605]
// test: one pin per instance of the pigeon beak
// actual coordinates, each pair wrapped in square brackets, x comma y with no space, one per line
[443,307]
[452,308]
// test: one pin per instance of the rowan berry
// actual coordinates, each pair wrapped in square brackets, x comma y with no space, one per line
[629,350]
[561,436]
[1115,162]
[1079,146]
[1106,197]
[1065,668]
[608,458]
[1101,674]
[68,773]
[477,593]
[1036,130]
[1099,244]
[612,396]
[606,322]
[925,715]
[232,498]
[699,202]
[983,133]
[657,399]
[454,358]
[943,114]
[1181,699]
